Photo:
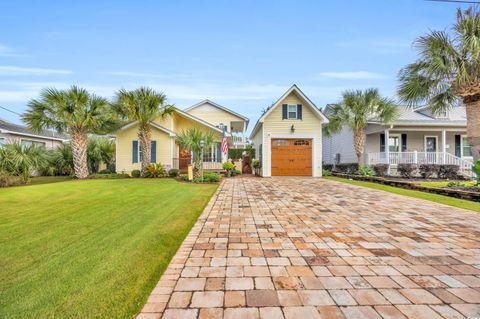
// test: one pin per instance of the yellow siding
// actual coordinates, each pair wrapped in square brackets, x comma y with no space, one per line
[124,150]
[214,115]
[310,125]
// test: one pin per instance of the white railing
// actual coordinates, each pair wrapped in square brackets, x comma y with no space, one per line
[238,139]
[395,158]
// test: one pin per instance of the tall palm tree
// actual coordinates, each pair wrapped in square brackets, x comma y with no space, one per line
[190,139]
[355,110]
[448,72]
[143,105]
[74,111]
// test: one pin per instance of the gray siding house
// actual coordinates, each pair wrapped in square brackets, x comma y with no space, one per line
[417,136]
[10,132]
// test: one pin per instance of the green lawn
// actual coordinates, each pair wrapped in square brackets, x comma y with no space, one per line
[48,179]
[445,184]
[95,248]
[455,202]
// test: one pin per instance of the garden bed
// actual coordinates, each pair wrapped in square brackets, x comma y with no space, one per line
[401,183]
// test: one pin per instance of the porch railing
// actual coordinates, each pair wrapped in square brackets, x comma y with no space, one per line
[395,158]
[206,165]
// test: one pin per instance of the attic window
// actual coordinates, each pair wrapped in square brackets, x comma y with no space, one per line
[292,111]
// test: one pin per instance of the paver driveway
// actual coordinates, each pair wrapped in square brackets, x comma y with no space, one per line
[309,248]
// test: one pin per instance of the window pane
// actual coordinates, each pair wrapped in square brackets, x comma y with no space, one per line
[292,111]
[280,143]
[467,151]
[2,141]
[393,144]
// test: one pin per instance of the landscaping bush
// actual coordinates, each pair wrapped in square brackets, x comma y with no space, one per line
[407,170]
[236,153]
[380,169]
[7,180]
[448,171]
[108,176]
[476,170]
[155,170]
[228,167]
[428,170]
[365,170]
[173,172]
[347,168]
[211,177]
[136,173]
[328,167]
[105,171]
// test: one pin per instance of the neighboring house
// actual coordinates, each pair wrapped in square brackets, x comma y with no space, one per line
[288,136]
[417,136]
[205,116]
[10,132]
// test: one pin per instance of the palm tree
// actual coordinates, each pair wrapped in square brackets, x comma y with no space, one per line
[75,111]
[355,110]
[191,140]
[448,72]
[22,160]
[143,105]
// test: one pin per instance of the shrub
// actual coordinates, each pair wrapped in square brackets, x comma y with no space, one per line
[7,180]
[211,177]
[237,153]
[448,171]
[328,167]
[237,172]
[109,176]
[428,170]
[327,172]
[455,184]
[256,163]
[476,170]
[136,173]
[380,169]
[407,170]
[365,170]
[173,172]
[105,171]
[155,170]
[347,168]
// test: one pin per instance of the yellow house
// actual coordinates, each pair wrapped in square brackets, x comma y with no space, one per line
[205,116]
[288,136]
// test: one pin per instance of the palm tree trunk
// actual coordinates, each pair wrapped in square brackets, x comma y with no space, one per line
[145,136]
[79,141]
[473,126]
[359,144]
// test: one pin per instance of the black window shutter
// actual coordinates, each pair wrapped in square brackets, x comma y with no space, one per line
[153,151]
[404,142]
[299,111]
[458,145]
[219,152]
[134,151]
[382,142]
[284,111]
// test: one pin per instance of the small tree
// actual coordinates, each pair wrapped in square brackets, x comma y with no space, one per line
[355,110]
[190,140]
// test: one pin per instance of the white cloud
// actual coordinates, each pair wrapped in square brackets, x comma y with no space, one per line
[16,70]
[352,75]
[8,52]
[135,74]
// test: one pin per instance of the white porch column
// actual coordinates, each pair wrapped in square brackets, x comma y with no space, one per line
[444,145]
[387,149]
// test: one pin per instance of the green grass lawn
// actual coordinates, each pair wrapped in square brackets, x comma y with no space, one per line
[455,202]
[48,179]
[95,248]
[445,183]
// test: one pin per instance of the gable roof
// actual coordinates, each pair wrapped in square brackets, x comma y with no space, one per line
[8,127]
[420,115]
[155,125]
[246,119]
[296,89]
[170,132]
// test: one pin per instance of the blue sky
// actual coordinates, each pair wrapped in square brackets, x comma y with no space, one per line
[241,54]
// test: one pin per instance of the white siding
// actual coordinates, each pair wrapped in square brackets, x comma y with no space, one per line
[339,143]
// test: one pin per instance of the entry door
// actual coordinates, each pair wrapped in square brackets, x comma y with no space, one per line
[291,157]
[185,159]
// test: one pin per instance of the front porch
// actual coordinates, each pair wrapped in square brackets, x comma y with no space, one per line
[399,145]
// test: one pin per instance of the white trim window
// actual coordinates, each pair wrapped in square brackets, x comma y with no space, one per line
[466,150]
[210,154]
[292,111]
[2,141]
[394,143]
[31,142]
[430,146]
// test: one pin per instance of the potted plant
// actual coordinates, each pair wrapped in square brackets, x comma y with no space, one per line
[229,168]
[256,164]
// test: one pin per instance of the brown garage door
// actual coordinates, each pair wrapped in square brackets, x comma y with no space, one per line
[291,157]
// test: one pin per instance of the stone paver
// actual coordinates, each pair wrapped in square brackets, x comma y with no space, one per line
[311,248]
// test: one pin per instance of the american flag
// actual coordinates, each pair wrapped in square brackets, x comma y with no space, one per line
[224,142]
